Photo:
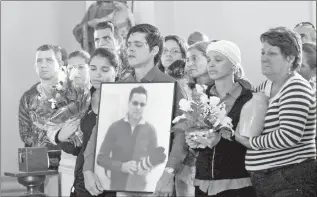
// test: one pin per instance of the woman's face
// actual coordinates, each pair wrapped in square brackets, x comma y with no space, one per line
[219,66]
[171,53]
[196,63]
[306,71]
[101,71]
[78,70]
[272,61]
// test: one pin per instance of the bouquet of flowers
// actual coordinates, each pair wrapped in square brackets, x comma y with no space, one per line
[202,115]
[69,102]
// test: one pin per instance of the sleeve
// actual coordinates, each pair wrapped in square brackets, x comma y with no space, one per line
[25,122]
[89,153]
[294,105]
[180,93]
[145,166]
[179,149]
[107,145]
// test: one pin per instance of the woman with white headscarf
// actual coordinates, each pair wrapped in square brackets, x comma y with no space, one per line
[220,169]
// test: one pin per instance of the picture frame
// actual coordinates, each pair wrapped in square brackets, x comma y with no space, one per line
[133,135]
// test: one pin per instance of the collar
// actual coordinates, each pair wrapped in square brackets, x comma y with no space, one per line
[142,121]
[234,92]
[149,77]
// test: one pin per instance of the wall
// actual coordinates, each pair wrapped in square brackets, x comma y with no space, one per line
[24,27]
[241,22]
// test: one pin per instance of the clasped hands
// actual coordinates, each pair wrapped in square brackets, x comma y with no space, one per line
[210,140]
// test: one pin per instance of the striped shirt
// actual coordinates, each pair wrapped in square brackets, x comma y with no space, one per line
[289,128]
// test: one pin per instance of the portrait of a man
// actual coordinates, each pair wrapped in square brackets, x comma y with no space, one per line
[130,149]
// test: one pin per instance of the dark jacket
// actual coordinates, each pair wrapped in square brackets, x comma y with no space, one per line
[226,159]
[87,124]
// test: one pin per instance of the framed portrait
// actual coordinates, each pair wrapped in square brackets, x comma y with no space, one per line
[133,135]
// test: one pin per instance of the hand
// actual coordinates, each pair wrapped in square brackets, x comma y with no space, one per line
[68,129]
[242,140]
[226,133]
[211,141]
[93,22]
[157,156]
[165,186]
[191,143]
[92,183]
[129,167]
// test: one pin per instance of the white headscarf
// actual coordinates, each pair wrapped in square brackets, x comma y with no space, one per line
[228,49]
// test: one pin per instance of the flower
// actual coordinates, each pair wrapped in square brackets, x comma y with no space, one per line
[199,89]
[59,87]
[226,121]
[185,105]
[213,101]
[62,76]
[204,98]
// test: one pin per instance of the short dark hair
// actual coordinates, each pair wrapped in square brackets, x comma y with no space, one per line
[177,69]
[310,51]
[195,37]
[138,90]
[153,37]
[56,50]
[106,53]
[82,54]
[287,40]
[107,25]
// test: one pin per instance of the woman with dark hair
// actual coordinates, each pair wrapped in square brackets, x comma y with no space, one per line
[103,65]
[282,160]
[174,48]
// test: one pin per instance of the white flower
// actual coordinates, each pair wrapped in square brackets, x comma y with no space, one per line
[59,86]
[178,118]
[199,88]
[185,105]
[53,103]
[213,101]
[62,76]
[226,121]
[204,98]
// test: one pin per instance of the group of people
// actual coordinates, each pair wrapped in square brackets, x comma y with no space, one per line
[279,162]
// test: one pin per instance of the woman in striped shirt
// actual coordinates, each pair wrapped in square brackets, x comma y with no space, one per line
[282,160]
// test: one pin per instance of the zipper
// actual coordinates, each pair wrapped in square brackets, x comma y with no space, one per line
[213,163]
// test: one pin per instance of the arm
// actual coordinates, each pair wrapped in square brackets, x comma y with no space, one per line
[107,145]
[293,110]
[179,150]
[90,151]
[25,123]
[145,165]
[67,147]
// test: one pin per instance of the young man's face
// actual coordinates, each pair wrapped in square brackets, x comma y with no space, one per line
[138,50]
[46,64]
[105,38]
[137,105]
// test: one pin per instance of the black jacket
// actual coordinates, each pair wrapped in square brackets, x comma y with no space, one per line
[226,159]
[87,124]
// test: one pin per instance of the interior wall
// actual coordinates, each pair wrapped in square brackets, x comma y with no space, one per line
[25,25]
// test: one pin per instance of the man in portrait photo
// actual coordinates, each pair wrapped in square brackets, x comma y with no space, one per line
[130,148]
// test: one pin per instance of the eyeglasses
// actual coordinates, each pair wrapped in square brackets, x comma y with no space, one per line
[136,103]
[173,51]
[78,66]
[305,24]
[137,44]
